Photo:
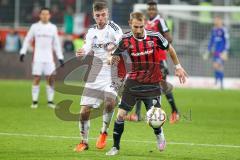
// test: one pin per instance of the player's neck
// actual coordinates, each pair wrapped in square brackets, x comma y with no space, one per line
[101,26]
[44,22]
[152,18]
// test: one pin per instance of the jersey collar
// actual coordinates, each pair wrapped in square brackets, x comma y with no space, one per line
[145,36]
[155,18]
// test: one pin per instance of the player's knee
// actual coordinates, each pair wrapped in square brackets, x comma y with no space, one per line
[84,113]
[109,105]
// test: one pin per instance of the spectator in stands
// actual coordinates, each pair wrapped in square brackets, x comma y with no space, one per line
[13,42]
[68,20]
[35,12]
[56,14]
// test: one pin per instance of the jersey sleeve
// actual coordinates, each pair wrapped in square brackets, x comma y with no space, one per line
[226,38]
[57,45]
[162,42]
[121,47]
[117,32]
[27,40]
[162,26]
[88,42]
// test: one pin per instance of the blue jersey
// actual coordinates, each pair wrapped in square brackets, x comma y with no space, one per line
[219,41]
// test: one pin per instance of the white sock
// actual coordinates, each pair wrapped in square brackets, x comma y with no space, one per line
[107,117]
[84,130]
[35,92]
[50,93]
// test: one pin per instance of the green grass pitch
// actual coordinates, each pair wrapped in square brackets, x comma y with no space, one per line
[209,128]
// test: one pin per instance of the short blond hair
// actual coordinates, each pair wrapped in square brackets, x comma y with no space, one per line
[137,15]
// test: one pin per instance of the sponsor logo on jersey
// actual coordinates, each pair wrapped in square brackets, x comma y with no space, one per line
[142,53]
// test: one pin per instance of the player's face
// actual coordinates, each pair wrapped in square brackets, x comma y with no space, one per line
[45,16]
[218,22]
[152,11]
[137,28]
[101,17]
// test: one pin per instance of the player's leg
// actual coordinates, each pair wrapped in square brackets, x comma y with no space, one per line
[137,115]
[49,72]
[108,112]
[218,71]
[127,101]
[161,141]
[84,125]
[91,98]
[36,72]
[35,91]
[138,110]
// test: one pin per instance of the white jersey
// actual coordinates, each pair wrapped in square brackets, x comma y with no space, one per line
[46,41]
[102,77]
[95,41]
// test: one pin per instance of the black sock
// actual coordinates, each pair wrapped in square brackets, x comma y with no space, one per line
[171,101]
[157,131]
[117,133]
[138,109]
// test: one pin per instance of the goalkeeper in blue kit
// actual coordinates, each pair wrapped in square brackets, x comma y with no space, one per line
[219,46]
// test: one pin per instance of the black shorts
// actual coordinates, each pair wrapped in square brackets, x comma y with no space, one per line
[133,91]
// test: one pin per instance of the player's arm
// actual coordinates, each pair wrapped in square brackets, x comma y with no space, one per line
[57,47]
[87,47]
[179,71]
[26,42]
[224,54]
[163,28]
[116,56]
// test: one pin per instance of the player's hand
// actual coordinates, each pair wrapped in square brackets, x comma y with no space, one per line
[181,74]
[224,56]
[114,60]
[206,55]
[21,58]
[61,62]
[80,52]
[110,46]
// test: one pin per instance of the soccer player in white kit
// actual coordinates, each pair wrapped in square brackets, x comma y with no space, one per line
[46,40]
[101,40]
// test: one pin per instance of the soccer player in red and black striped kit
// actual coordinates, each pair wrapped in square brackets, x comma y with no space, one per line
[157,24]
[142,47]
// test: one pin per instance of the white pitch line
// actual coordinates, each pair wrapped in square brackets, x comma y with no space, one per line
[134,141]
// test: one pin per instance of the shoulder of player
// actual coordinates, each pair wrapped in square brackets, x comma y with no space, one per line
[153,33]
[127,35]
[114,26]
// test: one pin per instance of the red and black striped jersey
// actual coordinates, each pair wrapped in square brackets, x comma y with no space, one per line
[158,24]
[144,54]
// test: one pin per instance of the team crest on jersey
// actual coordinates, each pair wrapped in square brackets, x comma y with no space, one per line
[130,46]
[150,43]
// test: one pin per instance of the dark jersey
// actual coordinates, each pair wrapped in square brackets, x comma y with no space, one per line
[144,54]
[158,24]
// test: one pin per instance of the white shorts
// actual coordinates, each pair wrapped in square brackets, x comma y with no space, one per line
[96,92]
[45,68]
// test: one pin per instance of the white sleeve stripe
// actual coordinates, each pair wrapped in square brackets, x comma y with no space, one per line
[164,25]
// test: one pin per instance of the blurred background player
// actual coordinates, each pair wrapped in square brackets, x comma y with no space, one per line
[101,39]
[157,24]
[143,48]
[219,46]
[46,40]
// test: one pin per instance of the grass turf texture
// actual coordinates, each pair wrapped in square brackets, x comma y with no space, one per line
[214,120]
